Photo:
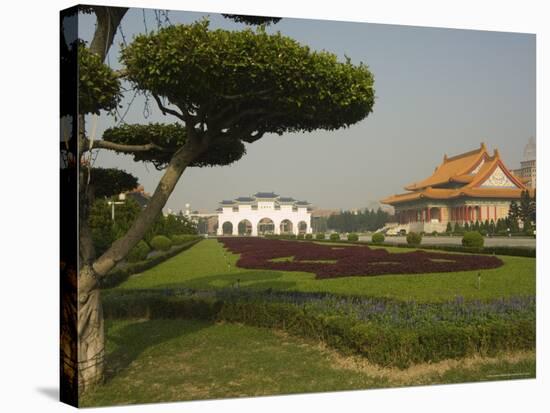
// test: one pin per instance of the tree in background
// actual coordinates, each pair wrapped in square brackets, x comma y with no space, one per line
[223,89]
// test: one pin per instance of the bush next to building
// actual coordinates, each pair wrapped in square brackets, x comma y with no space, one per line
[161,243]
[353,237]
[300,236]
[139,252]
[320,235]
[414,238]
[378,238]
[335,236]
[309,236]
[472,239]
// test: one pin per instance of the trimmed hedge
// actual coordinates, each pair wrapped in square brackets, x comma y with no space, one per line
[300,236]
[381,344]
[414,238]
[161,243]
[309,236]
[473,239]
[118,276]
[320,236]
[180,239]
[353,237]
[497,250]
[139,252]
[335,236]
[378,238]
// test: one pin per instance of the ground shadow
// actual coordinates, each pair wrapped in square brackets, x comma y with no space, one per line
[49,392]
[133,339]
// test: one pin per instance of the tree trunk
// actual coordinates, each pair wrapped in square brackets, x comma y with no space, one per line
[91,342]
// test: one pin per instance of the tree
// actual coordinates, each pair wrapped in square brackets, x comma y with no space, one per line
[526,209]
[223,88]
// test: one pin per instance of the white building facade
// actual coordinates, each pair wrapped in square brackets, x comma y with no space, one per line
[264,213]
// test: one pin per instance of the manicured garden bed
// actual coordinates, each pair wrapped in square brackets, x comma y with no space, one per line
[260,253]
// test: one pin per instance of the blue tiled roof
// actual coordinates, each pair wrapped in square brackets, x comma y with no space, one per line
[266,195]
[302,203]
[286,199]
[227,202]
[245,199]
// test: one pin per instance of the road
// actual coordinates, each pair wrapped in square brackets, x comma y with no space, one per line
[489,242]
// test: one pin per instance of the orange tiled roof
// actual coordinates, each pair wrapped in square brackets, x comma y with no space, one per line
[464,169]
[453,167]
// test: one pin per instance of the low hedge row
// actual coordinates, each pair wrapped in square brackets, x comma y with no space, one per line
[120,275]
[379,343]
[511,251]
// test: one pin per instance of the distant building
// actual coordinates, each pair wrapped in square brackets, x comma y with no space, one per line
[473,186]
[139,195]
[264,213]
[528,167]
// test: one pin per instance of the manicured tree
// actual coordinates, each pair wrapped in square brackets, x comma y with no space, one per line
[526,208]
[449,228]
[224,88]
[466,227]
[492,227]
[458,229]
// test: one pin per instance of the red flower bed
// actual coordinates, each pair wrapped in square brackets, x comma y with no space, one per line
[259,253]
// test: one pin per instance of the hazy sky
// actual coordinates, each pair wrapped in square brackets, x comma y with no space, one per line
[437,91]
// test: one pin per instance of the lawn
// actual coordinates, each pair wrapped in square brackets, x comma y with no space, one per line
[208,265]
[169,360]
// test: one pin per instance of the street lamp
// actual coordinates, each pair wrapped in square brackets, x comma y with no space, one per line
[122,198]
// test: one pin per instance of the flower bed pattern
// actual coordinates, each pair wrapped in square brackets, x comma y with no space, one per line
[258,253]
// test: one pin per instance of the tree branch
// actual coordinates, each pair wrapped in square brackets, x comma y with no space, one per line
[120,147]
[120,248]
[166,110]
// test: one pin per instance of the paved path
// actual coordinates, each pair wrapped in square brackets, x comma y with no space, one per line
[489,242]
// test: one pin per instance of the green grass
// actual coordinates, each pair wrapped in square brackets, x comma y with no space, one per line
[170,360]
[205,266]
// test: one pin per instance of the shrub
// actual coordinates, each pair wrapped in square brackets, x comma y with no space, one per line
[320,235]
[378,238]
[472,239]
[180,239]
[139,252]
[388,344]
[161,243]
[300,236]
[309,236]
[353,237]
[414,238]
[335,236]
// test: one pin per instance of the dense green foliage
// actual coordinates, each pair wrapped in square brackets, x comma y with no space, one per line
[378,238]
[104,230]
[414,238]
[98,85]
[139,252]
[334,236]
[473,239]
[168,138]
[245,74]
[161,243]
[309,236]
[320,235]
[353,237]
[358,221]
[108,182]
